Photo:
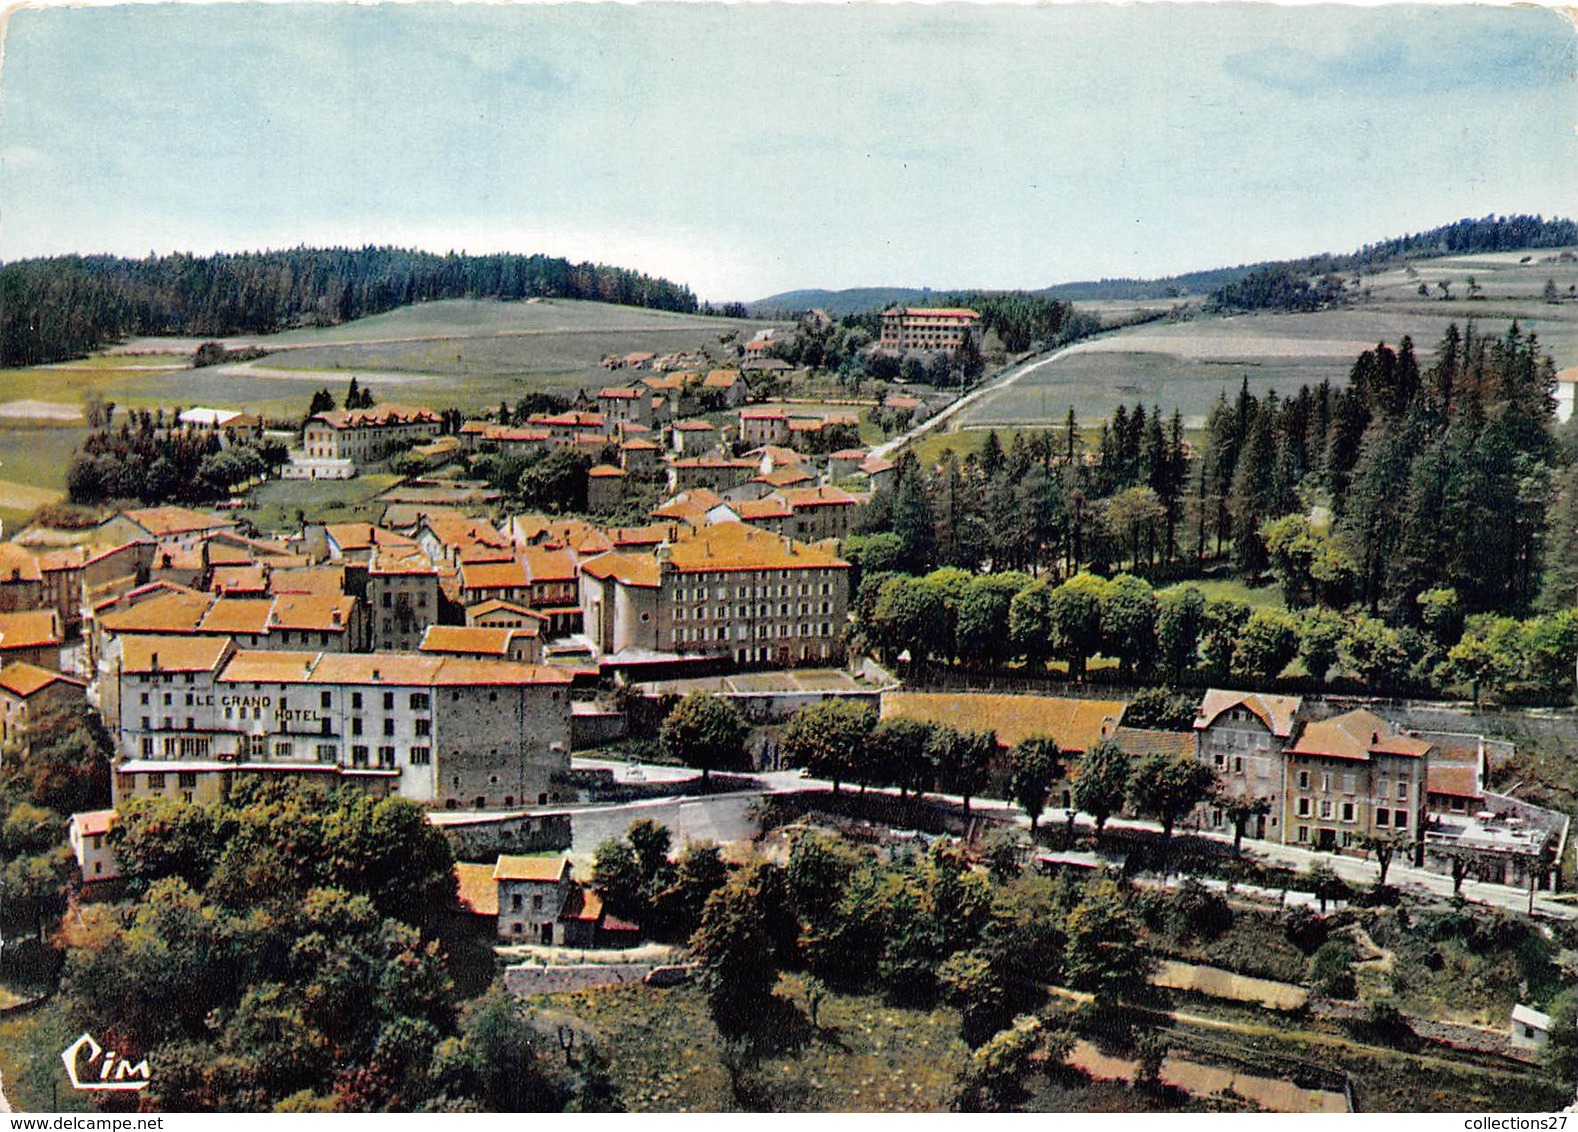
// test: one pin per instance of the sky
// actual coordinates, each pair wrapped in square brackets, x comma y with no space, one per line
[747,149]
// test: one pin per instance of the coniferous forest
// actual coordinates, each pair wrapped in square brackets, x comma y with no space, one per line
[65,306]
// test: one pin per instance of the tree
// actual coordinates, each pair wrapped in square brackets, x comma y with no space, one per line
[825,738]
[1320,635]
[1384,846]
[1099,781]
[618,879]
[1561,1048]
[1034,764]
[1160,709]
[962,759]
[899,753]
[1180,619]
[993,1079]
[1326,885]
[737,953]
[1267,642]
[976,987]
[1167,787]
[1490,653]
[706,732]
[1074,616]
[1241,808]
[1103,955]
[1550,294]
[1128,624]
[911,615]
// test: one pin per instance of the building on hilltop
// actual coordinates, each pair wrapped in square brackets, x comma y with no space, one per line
[366,437]
[928,328]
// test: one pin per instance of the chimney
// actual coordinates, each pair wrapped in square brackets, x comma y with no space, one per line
[336,617]
[1374,738]
[377,675]
[153,661]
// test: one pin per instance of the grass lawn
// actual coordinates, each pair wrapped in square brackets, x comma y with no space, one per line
[867,1056]
[1258,597]
[30,1045]
[274,504]
[35,457]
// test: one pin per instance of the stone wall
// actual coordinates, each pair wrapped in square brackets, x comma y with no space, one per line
[530,979]
[592,728]
[485,838]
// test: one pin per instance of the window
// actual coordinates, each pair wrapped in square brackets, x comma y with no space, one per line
[515,905]
[536,903]
[323,699]
[420,701]
[1304,833]
[358,755]
[1402,791]
[389,701]
[422,756]
[327,752]
[1304,780]
[1325,808]
[1238,764]
[156,781]
[1347,812]
[356,727]
[147,746]
[147,723]
[388,727]
[1304,807]
[1383,817]
[424,727]
[386,756]
[186,780]
[145,698]
[1400,819]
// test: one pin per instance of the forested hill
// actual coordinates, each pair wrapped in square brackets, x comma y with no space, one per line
[65,306]
[1462,237]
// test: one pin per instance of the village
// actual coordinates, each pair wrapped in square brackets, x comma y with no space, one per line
[539,683]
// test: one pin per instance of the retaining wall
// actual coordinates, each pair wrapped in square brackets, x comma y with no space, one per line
[530,979]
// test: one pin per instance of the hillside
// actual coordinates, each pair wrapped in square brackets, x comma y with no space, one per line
[1462,237]
[66,306]
[1188,362]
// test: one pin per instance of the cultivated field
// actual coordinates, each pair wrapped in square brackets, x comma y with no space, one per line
[465,352]
[1187,364]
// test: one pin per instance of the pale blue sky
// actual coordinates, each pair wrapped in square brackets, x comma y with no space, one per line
[747,149]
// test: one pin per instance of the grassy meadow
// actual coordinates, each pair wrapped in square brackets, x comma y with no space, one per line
[863,1055]
[1188,363]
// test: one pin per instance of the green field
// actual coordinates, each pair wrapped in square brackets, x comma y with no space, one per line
[863,1056]
[1187,364]
[273,505]
[466,352]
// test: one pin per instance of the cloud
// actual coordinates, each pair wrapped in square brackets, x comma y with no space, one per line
[1421,52]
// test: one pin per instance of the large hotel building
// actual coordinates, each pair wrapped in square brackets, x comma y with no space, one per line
[191,715]
[927,328]
[728,590]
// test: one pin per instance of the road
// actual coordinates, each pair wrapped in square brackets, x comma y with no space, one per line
[975,395]
[728,817]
